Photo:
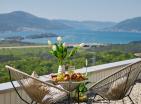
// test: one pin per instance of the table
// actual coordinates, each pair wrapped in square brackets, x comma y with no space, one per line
[71,86]
[67,85]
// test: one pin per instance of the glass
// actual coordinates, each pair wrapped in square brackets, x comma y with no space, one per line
[71,69]
[90,60]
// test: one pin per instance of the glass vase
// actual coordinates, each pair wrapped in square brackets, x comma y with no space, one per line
[61,69]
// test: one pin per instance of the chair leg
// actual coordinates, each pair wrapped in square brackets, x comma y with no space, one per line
[123,101]
[131,99]
[108,101]
[32,102]
[94,97]
[69,99]
[90,100]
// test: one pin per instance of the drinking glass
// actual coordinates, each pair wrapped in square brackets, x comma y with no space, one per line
[71,69]
[90,61]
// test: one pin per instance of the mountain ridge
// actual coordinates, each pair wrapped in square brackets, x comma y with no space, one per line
[128,25]
[19,20]
[89,25]
[23,21]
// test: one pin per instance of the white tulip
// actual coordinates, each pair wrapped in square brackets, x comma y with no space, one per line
[59,39]
[49,42]
[81,45]
[64,44]
[54,47]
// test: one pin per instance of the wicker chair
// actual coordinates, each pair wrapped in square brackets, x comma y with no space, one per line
[39,91]
[118,85]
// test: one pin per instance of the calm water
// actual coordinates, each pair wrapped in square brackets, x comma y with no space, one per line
[78,36]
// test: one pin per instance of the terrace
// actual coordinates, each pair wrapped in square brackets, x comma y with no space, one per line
[95,73]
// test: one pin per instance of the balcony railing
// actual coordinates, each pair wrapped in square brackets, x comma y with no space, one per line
[95,73]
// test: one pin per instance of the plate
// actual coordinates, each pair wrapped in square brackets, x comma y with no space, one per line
[70,85]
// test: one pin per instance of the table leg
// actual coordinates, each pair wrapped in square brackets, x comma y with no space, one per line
[78,97]
[69,99]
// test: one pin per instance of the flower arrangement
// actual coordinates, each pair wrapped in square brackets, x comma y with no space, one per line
[60,50]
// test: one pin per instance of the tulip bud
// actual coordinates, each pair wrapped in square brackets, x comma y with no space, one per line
[59,39]
[54,47]
[64,44]
[49,42]
[81,45]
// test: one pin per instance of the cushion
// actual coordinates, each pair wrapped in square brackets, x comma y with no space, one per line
[116,89]
[54,95]
[41,93]
[35,89]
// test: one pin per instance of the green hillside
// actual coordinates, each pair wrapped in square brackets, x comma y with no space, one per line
[39,59]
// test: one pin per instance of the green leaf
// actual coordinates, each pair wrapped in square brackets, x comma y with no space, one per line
[82,88]
[73,51]
[51,52]
[65,52]
[55,53]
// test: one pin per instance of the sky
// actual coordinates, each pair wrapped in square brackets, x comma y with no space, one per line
[97,10]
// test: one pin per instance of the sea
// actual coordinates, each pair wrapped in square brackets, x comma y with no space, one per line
[79,36]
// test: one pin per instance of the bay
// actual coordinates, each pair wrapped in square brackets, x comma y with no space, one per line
[79,36]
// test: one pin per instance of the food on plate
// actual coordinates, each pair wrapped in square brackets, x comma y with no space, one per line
[67,77]
[73,76]
[80,77]
[54,77]
[60,77]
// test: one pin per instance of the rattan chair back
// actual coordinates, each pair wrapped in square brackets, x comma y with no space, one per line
[35,88]
[118,85]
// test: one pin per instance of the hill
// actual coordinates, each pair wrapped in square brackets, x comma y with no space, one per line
[87,25]
[129,25]
[22,21]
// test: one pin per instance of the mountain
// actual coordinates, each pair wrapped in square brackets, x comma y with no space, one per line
[22,21]
[129,25]
[87,25]
[96,25]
